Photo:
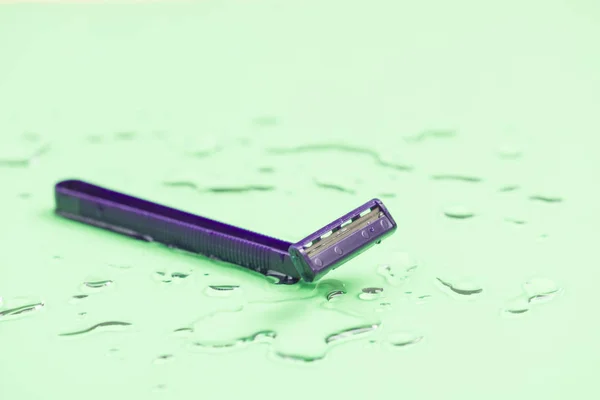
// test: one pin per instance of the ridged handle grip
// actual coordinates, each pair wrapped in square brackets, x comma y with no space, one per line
[141,219]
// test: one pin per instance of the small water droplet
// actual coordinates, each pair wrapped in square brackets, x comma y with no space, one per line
[458,212]
[384,307]
[183,332]
[335,294]
[546,199]
[371,293]
[518,305]
[96,285]
[515,221]
[119,266]
[401,339]
[77,298]
[509,153]
[350,333]
[221,290]
[125,135]
[266,170]
[298,358]
[540,289]
[508,188]
[164,358]
[260,336]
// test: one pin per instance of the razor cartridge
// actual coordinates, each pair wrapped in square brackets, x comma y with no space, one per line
[309,259]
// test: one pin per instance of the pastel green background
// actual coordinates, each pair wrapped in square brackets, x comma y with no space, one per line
[136,96]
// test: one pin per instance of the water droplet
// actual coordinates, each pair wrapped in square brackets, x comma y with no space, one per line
[77,298]
[266,170]
[464,287]
[460,178]
[125,135]
[221,290]
[335,294]
[458,212]
[535,291]
[260,336]
[384,307]
[183,332]
[371,293]
[298,358]
[96,285]
[509,153]
[518,305]
[94,138]
[540,289]
[546,199]
[119,266]
[19,311]
[401,339]
[431,134]
[515,221]
[104,326]
[333,186]
[164,358]
[508,188]
[350,333]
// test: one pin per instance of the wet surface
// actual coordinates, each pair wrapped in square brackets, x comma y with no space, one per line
[482,149]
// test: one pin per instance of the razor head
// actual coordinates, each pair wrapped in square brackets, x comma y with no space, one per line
[342,240]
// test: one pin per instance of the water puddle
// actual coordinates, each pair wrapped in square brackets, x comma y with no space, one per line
[300,327]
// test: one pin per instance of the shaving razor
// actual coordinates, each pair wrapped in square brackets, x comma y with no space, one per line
[308,259]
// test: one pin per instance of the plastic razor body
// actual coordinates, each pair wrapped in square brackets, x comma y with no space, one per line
[308,259]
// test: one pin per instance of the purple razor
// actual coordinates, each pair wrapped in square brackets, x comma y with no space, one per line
[309,259]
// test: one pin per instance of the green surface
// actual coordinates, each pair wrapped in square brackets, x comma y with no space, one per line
[475,122]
